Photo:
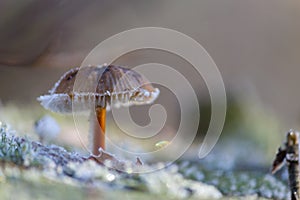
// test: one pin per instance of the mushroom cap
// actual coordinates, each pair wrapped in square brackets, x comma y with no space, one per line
[98,86]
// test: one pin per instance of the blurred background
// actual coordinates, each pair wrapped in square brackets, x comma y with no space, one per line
[255,44]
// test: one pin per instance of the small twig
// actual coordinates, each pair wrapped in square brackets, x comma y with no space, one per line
[290,153]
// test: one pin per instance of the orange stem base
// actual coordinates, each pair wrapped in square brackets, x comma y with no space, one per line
[99,130]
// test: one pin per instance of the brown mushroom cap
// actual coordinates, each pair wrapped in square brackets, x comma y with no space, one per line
[98,86]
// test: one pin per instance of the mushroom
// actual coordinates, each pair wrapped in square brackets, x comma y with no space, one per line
[103,87]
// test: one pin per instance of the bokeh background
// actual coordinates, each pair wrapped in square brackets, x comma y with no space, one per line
[255,44]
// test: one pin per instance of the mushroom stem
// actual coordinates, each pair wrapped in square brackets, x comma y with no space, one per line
[99,130]
[41,139]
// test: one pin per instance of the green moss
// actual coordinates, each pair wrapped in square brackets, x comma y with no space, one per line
[42,190]
[236,182]
[16,150]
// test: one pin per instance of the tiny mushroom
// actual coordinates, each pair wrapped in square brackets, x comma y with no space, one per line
[46,128]
[97,89]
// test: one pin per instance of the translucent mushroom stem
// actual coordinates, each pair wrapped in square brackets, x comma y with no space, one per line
[99,130]
[41,139]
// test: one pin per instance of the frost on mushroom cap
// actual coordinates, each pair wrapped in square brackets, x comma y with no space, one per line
[110,86]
